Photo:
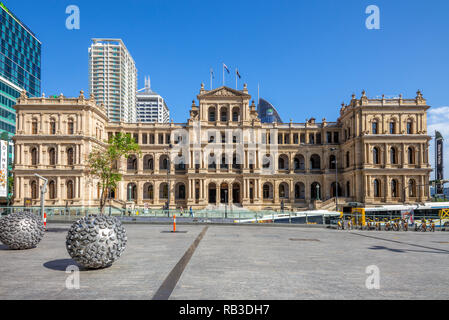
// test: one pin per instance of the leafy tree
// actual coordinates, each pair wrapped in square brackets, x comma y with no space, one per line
[102,163]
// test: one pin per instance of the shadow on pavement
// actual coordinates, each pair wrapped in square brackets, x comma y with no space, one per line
[61,264]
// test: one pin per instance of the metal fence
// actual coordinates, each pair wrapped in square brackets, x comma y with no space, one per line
[187,216]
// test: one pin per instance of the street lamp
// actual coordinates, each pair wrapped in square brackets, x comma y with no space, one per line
[336,179]
[43,190]
[167,151]
[226,202]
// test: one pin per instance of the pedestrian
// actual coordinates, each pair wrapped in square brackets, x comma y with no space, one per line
[191,212]
[282,206]
[182,211]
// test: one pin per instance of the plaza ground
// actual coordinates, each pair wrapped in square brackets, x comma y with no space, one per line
[238,262]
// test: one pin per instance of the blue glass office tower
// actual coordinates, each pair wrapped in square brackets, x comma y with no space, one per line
[267,112]
[20,68]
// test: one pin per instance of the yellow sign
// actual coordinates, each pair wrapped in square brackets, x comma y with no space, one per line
[358,215]
[444,213]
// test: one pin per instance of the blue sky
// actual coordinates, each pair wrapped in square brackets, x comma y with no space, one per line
[308,56]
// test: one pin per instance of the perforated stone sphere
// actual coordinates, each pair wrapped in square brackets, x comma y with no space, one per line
[21,230]
[96,241]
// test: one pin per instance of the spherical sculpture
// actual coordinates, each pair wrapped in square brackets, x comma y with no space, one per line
[21,230]
[96,241]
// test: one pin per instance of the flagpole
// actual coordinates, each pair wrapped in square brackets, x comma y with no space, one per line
[236,79]
[258,93]
[211,79]
[223,76]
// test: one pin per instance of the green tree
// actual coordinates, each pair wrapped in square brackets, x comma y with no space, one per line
[102,163]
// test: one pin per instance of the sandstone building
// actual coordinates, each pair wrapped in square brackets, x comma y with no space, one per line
[223,153]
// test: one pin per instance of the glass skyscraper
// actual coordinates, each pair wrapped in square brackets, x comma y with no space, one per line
[267,112]
[20,56]
[20,69]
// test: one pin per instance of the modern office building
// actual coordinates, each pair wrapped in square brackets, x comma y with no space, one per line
[20,69]
[223,153]
[151,107]
[113,79]
[267,112]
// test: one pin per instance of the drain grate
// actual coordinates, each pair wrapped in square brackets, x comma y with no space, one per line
[297,239]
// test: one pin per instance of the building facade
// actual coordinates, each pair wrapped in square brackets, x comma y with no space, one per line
[113,79]
[151,107]
[225,154]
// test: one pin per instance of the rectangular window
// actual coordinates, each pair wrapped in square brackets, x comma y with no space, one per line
[336,137]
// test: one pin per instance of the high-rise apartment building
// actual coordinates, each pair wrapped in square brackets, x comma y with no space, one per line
[113,79]
[151,107]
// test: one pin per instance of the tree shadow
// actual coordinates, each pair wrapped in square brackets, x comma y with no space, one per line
[61,264]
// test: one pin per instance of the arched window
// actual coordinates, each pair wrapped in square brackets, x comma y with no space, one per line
[163,191]
[224,114]
[315,162]
[34,156]
[411,155]
[376,156]
[266,161]
[34,190]
[236,161]
[393,156]
[212,114]
[34,126]
[70,126]
[335,191]
[392,127]
[180,193]
[412,188]
[148,191]
[299,191]
[394,188]
[52,189]
[375,129]
[69,186]
[267,191]
[235,114]
[131,163]
[131,191]
[283,191]
[315,191]
[212,163]
[409,127]
[163,162]
[148,162]
[283,162]
[52,156]
[348,189]
[332,162]
[376,187]
[298,162]
[52,126]
[70,159]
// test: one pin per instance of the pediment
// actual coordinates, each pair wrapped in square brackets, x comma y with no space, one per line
[223,92]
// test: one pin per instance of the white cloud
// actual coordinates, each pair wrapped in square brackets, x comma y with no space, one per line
[438,120]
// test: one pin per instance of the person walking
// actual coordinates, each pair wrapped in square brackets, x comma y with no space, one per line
[191,212]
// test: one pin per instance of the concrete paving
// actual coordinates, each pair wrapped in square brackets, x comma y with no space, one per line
[239,262]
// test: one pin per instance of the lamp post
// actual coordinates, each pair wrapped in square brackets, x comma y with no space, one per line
[226,202]
[43,190]
[336,179]
[167,151]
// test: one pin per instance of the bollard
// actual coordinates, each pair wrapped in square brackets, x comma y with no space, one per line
[45,220]
[174,223]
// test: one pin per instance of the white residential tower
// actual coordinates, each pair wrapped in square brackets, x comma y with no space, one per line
[113,79]
[151,107]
